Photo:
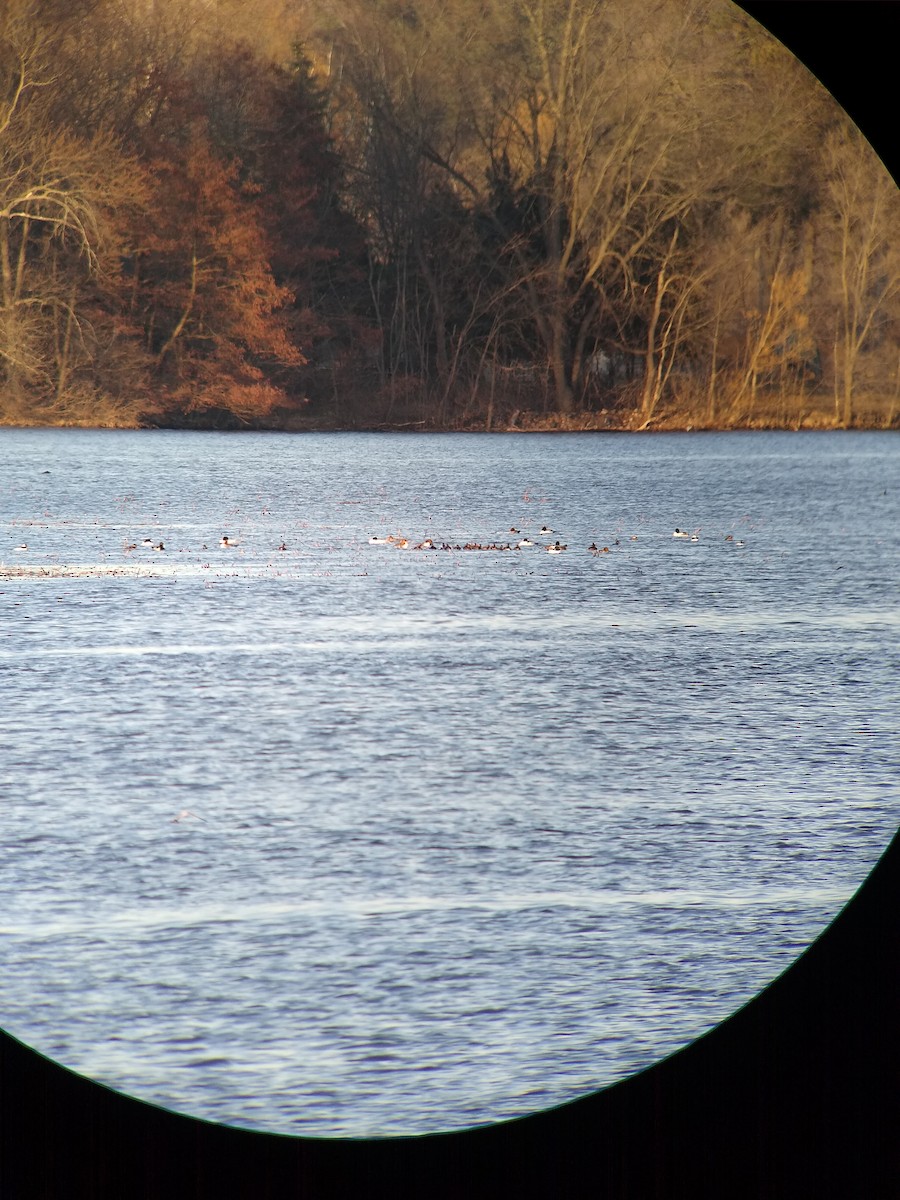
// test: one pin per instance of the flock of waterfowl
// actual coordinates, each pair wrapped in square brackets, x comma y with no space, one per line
[402,543]
[517,542]
[556,547]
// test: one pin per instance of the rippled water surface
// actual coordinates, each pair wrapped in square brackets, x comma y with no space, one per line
[344,839]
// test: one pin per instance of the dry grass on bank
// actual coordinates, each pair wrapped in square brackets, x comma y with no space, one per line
[81,411]
[797,413]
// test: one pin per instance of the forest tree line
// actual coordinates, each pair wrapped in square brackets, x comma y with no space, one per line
[434,213]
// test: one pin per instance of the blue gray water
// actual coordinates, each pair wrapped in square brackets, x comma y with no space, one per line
[352,840]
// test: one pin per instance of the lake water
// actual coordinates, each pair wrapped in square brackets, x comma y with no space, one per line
[344,839]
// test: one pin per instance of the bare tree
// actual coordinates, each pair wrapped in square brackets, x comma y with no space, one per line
[861,219]
[577,135]
[62,197]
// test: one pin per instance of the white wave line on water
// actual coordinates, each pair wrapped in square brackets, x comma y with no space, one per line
[173,650]
[147,569]
[138,651]
[831,898]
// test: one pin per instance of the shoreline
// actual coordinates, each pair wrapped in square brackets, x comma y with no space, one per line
[550,425]
[875,412]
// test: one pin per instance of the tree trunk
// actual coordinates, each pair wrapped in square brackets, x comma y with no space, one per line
[560,363]
[7,311]
[183,319]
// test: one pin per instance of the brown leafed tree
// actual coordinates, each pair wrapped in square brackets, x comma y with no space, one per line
[209,305]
